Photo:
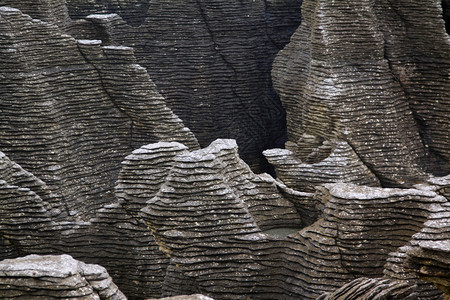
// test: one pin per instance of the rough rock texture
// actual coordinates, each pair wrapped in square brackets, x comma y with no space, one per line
[368,75]
[429,251]
[70,112]
[133,12]
[77,108]
[143,172]
[112,238]
[211,238]
[395,269]
[216,171]
[341,164]
[367,107]
[212,60]
[52,11]
[55,277]
[365,288]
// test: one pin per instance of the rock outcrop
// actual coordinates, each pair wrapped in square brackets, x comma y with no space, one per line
[211,60]
[428,253]
[206,231]
[365,72]
[77,109]
[32,223]
[96,165]
[376,289]
[55,277]
[336,162]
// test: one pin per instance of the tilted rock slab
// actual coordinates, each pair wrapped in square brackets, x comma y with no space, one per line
[339,77]
[55,277]
[77,109]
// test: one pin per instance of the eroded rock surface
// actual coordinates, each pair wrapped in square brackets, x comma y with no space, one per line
[365,288]
[77,109]
[55,277]
[340,164]
[367,107]
[211,60]
[357,228]
[429,251]
[366,73]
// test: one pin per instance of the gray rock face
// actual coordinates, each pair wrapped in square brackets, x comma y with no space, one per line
[371,84]
[83,107]
[429,251]
[96,165]
[112,238]
[372,289]
[56,277]
[211,60]
[207,233]
[201,179]
[341,164]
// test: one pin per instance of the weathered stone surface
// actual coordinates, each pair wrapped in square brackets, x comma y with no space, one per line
[143,172]
[55,277]
[133,12]
[211,238]
[341,164]
[77,109]
[365,288]
[341,80]
[113,239]
[218,172]
[180,221]
[211,60]
[429,251]
[395,269]
[51,11]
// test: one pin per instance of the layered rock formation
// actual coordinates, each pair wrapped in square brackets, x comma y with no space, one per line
[335,162]
[366,288]
[55,277]
[429,251]
[33,222]
[82,108]
[207,234]
[368,75]
[211,60]
[96,165]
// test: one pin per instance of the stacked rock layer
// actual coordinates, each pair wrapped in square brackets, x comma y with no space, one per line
[55,277]
[347,74]
[367,107]
[72,106]
[211,60]
[210,236]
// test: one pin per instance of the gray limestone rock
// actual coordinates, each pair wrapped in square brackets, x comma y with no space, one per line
[211,60]
[372,74]
[96,165]
[55,277]
[429,252]
[77,109]
[211,237]
[340,164]
[376,289]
